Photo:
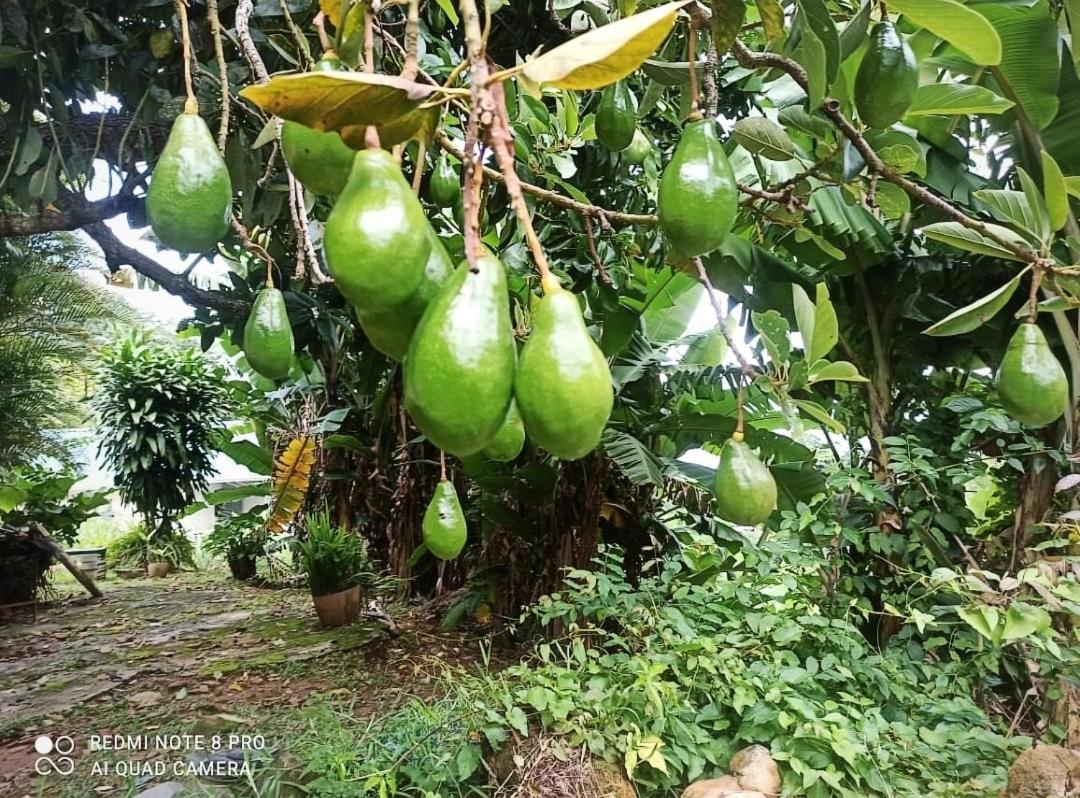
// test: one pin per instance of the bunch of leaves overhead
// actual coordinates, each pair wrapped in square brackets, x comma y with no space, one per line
[160,408]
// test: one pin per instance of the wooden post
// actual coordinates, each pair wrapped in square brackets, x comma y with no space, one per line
[57,552]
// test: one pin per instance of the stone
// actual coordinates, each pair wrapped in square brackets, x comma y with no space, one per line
[756,770]
[1048,771]
[713,788]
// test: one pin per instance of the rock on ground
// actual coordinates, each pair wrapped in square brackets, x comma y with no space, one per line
[754,774]
[1045,772]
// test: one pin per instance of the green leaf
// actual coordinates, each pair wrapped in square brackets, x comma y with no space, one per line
[893,200]
[708,350]
[804,316]
[952,99]
[1011,207]
[956,235]
[1024,620]
[981,618]
[774,331]
[826,328]
[813,125]
[1072,185]
[854,33]
[223,495]
[973,316]
[1072,10]
[606,54]
[772,19]
[811,56]
[727,18]
[764,137]
[1031,60]
[11,497]
[816,17]
[818,413]
[899,150]
[965,29]
[1034,200]
[450,9]
[1054,191]
[349,102]
[633,458]
[838,371]
[248,454]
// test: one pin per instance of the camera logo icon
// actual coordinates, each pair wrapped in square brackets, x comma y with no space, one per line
[54,755]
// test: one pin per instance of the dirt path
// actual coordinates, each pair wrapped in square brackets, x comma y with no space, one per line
[198,656]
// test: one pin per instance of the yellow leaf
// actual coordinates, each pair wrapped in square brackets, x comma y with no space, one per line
[332,9]
[292,477]
[349,102]
[606,54]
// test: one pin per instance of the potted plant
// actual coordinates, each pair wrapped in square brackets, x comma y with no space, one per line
[335,562]
[167,553]
[241,540]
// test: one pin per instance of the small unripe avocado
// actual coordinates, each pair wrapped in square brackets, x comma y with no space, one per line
[698,197]
[640,148]
[1031,383]
[459,370]
[745,490]
[444,526]
[563,385]
[444,186]
[510,439]
[887,79]
[189,202]
[374,242]
[268,337]
[616,117]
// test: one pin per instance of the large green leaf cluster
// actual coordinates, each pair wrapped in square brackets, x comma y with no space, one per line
[160,408]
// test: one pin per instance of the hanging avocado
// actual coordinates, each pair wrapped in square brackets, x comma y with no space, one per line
[640,148]
[698,197]
[563,384]
[1031,382]
[459,370]
[887,79]
[268,337]
[391,330]
[444,186]
[444,527]
[320,160]
[510,439]
[374,245]
[616,117]
[745,490]
[189,202]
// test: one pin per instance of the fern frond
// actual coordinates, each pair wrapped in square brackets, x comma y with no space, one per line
[291,480]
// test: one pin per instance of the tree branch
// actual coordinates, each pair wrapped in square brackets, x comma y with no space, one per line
[118,254]
[831,108]
[71,215]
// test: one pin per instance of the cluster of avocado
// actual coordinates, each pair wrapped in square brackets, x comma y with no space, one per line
[189,205]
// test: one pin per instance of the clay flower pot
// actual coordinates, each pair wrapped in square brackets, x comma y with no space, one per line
[353,599]
[242,568]
[333,608]
[158,569]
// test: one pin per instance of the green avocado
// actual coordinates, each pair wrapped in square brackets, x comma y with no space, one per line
[640,148]
[1031,382]
[268,338]
[189,202]
[391,330]
[887,79]
[616,117]
[563,384]
[459,370]
[444,527]
[374,243]
[510,439]
[745,490]
[318,159]
[444,186]
[698,197]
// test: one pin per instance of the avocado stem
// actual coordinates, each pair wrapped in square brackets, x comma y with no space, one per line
[191,105]
[442,465]
[738,434]
[691,61]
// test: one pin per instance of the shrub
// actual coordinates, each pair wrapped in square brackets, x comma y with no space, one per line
[333,558]
[238,536]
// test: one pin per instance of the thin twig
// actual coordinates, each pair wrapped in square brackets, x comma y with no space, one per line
[297,34]
[601,272]
[223,72]
[721,319]
[412,40]
[191,105]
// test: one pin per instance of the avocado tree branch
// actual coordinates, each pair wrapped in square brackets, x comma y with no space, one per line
[118,254]
[223,72]
[831,108]
[721,321]
[68,214]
